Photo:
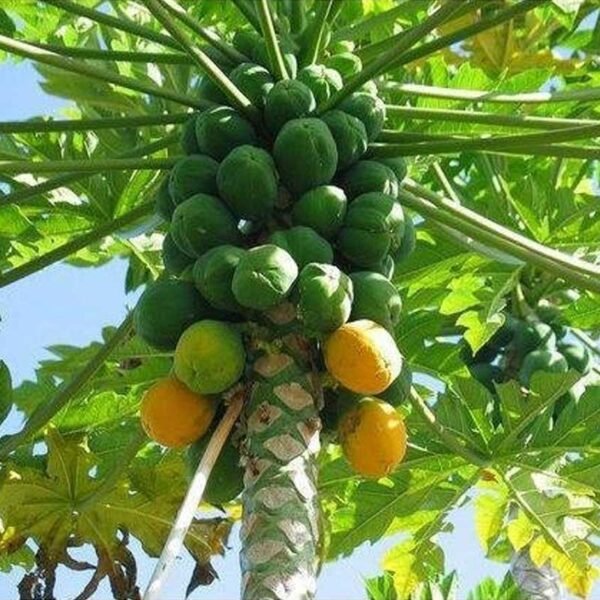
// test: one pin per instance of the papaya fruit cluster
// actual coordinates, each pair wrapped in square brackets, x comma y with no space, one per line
[284,210]
[525,346]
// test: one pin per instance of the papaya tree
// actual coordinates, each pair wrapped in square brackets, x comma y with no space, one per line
[365,235]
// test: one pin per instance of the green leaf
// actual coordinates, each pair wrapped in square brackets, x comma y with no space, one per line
[490,510]
[7,26]
[480,327]
[489,589]
[376,509]
[584,312]
[569,6]
[64,502]
[381,588]
[522,410]
[577,426]
[6,391]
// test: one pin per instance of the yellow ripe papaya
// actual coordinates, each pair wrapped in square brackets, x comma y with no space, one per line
[363,357]
[373,437]
[173,415]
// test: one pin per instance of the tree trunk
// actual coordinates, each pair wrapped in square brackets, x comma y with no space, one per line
[535,583]
[280,529]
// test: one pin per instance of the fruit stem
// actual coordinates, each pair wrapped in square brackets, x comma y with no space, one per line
[12,167]
[193,497]
[81,68]
[19,196]
[485,118]
[115,22]
[209,67]
[45,412]
[57,125]
[478,220]
[172,58]
[74,245]
[521,142]
[206,34]
[456,146]
[312,49]
[377,66]
[449,440]
[273,49]
[496,236]
[589,94]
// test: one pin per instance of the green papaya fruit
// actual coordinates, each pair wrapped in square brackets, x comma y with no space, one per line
[373,227]
[486,374]
[349,134]
[549,361]
[369,87]
[375,298]
[504,336]
[369,176]
[208,90]
[201,223]
[264,277]
[345,63]
[247,182]
[386,267]
[245,41]
[210,357]
[398,165]
[323,82]
[221,129]
[253,80]
[165,310]
[325,298]
[213,275]
[288,99]
[304,245]
[551,315]
[191,175]
[260,55]
[175,261]
[226,480]
[531,336]
[163,203]
[305,154]
[408,243]
[369,109]
[342,46]
[322,208]
[486,354]
[399,392]
[189,144]
[578,357]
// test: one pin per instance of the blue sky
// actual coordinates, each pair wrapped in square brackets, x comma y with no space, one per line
[63,304]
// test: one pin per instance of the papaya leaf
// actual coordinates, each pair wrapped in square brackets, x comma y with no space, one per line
[405,501]
[65,503]
[489,589]
[491,506]
[577,426]
[559,511]
[523,410]
[7,26]
[6,391]
[584,312]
